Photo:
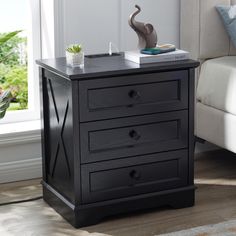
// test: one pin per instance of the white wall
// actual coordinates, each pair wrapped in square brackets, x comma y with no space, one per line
[92,23]
[95,23]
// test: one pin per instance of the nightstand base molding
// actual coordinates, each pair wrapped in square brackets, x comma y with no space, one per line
[93,213]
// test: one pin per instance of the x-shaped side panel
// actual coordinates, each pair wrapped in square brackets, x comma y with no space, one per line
[58,139]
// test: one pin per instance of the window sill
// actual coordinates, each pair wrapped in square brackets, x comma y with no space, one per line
[18,133]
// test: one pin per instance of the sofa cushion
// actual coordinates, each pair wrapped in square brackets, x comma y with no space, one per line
[217,84]
[228,15]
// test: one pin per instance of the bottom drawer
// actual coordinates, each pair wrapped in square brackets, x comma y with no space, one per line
[137,175]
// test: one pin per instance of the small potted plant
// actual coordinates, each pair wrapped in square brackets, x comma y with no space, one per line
[75,56]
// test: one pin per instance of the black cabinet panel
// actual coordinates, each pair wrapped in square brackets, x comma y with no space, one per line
[112,179]
[59,150]
[132,95]
[125,137]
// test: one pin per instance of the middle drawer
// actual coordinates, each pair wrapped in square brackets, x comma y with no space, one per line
[119,138]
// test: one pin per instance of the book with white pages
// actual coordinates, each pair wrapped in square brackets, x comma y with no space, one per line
[137,57]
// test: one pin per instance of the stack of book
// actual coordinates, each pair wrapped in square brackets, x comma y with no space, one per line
[137,57]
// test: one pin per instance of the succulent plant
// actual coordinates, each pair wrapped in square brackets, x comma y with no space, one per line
[75,48]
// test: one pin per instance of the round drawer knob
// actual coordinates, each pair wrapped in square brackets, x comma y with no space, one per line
[134,94]
[134,135]
[134,174]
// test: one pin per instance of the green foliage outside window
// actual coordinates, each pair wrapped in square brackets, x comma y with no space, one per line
[5,100]
[16,82]
[13,69]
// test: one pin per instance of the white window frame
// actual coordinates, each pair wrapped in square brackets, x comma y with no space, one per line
[34,52]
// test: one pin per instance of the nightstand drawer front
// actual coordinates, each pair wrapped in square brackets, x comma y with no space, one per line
[133,136]
[114,179]
[139,94]
[115,97]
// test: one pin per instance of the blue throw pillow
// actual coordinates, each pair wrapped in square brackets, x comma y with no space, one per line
[228,15]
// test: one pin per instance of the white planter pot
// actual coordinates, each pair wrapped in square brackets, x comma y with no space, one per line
[75,59]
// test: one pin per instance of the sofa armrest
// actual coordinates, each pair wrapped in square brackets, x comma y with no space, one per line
[201,30]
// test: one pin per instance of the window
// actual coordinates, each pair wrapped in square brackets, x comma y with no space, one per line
[20,73]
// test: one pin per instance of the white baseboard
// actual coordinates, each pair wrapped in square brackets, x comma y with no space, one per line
[20,170]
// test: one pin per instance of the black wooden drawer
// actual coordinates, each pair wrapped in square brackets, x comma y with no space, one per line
[137,175]
[133,95]
[118,138]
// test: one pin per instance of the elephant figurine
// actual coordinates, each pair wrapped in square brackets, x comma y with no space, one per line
[146,33]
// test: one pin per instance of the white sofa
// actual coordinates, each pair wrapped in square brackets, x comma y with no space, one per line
[203,34]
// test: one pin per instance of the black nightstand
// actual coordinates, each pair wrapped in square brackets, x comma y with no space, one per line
[116,136]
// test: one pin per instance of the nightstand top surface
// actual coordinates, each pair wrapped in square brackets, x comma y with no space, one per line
[110,66]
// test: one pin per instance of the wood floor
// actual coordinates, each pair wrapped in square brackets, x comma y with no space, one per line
[215,177]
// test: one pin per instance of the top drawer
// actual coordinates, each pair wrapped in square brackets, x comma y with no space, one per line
[133,95]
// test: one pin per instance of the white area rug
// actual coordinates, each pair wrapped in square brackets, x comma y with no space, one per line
[36,219]
[227,228]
